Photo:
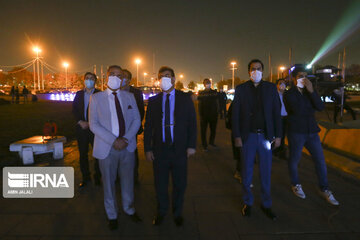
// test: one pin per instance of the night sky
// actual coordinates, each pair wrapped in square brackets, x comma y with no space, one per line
[196,38]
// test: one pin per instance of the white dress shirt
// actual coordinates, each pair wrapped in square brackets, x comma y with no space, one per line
[283,110]
[172,107]
[114,117]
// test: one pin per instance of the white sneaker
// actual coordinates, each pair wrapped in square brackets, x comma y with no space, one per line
[297,190]
[327,194]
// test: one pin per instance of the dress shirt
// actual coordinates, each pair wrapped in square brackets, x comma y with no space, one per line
[257,109]
[283,109]
[114,117]
[86,101]
[172,107]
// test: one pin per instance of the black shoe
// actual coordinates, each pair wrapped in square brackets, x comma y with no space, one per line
[205,149]
[179,221]
[135,218]
[113,224]
[246,211]
[158,219]
[213,145]
[269,213]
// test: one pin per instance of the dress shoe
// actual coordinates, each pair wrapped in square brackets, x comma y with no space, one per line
[135,218]
[158,219]
[179,221]
[113,224]
[269,213]
[213,145]
[246,211]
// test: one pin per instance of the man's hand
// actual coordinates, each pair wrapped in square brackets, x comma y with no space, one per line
[190,151]
[83,124]
[149,156]
[308,85]
[238,142]
[277,142]
[120,144]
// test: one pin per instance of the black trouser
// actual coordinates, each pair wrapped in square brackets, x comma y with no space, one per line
[281,150]
[346,107]
[204,121]
[165,164]
[84,138]
[237,154]
[222,110]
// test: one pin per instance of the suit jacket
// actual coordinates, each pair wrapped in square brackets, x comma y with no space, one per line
[140,104]
[100,122]
[241,115]
[78,105]
[208,103]
[184,133]
[301,110]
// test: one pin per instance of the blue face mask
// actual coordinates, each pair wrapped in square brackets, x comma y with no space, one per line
[123,82]
[89,83]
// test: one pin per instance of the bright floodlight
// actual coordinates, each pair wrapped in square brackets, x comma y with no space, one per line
[65,64]
[233,63]
[309,66]
[145,74]
[137,61]
[37,49]
[282,68]
[181,76]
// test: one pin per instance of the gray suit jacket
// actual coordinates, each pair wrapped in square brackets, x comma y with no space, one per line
[100,122]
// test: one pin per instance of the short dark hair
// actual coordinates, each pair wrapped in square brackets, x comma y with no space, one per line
[166,68]
[114,66]
[279,80]
[90,73]
[297,69]
[206,80]
[128,73]
[255,61]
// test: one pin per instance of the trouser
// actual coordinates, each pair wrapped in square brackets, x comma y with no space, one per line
[25,98]
[281,150]
[168,163]
[118,163]
[237,154]
[204,122]
[256,143]
[222,110]
[337,109]
[297,141]
[84,138]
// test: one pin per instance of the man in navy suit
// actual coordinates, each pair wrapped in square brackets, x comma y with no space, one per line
[169,139]
[301,102]
[80,110]
[256,125]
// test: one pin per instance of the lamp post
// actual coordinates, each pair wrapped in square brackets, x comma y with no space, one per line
[66,65]
[282,68]
[233,74]
[37,50]
[137,61]
[145,74]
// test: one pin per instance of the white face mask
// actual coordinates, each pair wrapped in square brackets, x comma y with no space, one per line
[282,86]
[256,76]
[89,84]
[114,82]
[123,82]
[300,82]
[165,83]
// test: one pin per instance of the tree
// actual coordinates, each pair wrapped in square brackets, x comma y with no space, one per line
[179,85]
[191,85]
[228,82]
[352,73]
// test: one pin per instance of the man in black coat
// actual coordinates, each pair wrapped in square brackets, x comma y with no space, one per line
[80,110]
[256,125]
[140,104]
[169,139]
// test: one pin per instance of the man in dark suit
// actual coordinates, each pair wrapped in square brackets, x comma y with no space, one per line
[140,104]
[80,110]
[256,125]
[169,139]
[301,102]
[208,111]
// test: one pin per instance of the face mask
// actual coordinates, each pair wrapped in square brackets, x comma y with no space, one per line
[300,82]
[89,83]
[256,76]
[208,86]
[282,86]
[123,82]
[114,82]
[165,83]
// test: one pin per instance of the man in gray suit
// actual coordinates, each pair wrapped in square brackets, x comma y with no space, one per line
[115,120]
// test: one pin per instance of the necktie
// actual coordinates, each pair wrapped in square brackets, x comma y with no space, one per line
[120,116]
[168,139]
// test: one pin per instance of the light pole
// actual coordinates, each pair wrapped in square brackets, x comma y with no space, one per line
[37,50]
[137,61]
[233,74]
[66,65]
[282,68]
[145,74]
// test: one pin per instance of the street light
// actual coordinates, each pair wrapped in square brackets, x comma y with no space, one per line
[137,61]
[145,74]
[282,68]
[37,50]
[233,73]
[66,65]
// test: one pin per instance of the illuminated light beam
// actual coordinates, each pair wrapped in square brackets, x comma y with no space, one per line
[348,24]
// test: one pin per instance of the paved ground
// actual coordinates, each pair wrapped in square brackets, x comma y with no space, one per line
[212,206]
